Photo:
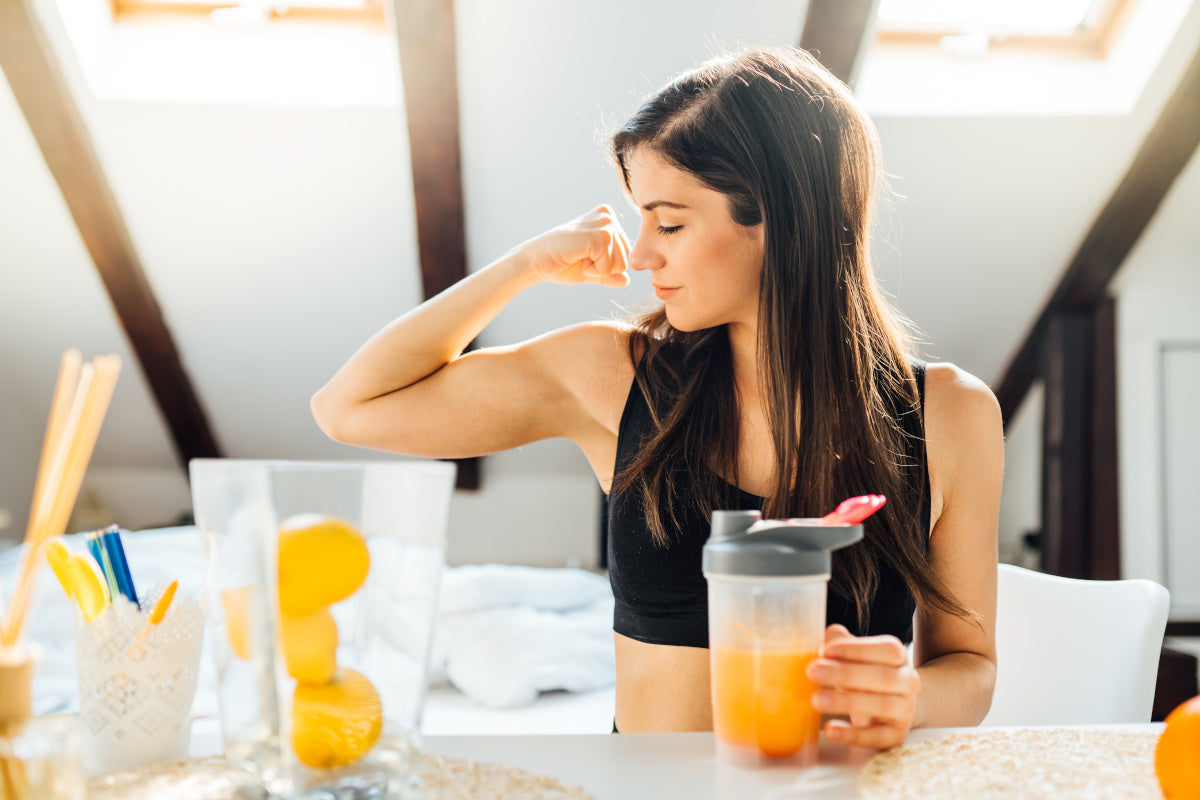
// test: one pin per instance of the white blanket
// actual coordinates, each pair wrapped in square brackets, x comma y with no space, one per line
[506,633]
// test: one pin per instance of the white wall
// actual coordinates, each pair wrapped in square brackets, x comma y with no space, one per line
[1158,303]
[1158,296]
[18,438]
[541,517]
[1021,500]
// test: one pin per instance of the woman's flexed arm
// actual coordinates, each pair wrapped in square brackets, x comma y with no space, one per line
[407,388]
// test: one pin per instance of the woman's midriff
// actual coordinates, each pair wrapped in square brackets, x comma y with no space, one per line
[662,687]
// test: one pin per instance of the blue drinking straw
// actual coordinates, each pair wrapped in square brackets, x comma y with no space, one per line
[96,547]
[111,538]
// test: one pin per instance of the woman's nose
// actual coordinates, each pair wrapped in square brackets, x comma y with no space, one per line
[642,256]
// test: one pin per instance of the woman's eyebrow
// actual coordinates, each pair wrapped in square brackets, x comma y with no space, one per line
[664,204]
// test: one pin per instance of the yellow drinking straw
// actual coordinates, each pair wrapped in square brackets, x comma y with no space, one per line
[78,579]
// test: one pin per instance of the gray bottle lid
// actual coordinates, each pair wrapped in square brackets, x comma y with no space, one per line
[743,543]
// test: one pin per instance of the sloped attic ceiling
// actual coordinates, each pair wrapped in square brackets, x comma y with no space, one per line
[279,235]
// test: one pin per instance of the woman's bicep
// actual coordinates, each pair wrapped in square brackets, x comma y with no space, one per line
[966,454]
[481,402]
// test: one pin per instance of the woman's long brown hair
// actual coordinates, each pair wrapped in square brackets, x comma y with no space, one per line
[785,142]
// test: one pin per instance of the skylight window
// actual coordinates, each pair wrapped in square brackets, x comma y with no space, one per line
[1023,15]
[370,11]
[1084,28]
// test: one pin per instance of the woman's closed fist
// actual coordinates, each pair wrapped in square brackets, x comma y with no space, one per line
[592,248]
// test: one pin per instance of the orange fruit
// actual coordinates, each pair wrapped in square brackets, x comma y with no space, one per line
[310,646]
[1177,756]
[309,643]
[322,560]
[335,724]
[237,620]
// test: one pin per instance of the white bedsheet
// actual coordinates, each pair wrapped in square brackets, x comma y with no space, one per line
[508,641]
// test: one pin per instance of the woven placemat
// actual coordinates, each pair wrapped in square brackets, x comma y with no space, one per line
[447,778]
[1030,764]
[442,778]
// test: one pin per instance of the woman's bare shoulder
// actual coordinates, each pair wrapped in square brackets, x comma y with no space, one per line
[963,428]
[587,347]
[592,360]
[955,397]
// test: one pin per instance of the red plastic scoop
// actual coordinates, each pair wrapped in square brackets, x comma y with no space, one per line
[854,510]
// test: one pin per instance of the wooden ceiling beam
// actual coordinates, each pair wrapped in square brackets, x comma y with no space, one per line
[836,32]
[1163,155]
[429,70]
[43,94]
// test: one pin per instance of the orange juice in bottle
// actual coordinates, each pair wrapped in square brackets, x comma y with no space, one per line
[762,701]
[767,584]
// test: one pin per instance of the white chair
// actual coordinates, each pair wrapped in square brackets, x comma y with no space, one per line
[1075,652]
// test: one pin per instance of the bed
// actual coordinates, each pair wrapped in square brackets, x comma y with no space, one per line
[517,650]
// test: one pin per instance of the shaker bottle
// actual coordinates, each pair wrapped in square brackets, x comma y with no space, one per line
[767,583]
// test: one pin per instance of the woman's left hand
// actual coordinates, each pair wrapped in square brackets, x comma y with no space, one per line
[868,679]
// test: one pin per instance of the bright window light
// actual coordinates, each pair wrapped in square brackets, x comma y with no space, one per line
[1026,16]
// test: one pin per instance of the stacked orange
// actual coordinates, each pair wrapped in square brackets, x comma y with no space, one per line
[337,715]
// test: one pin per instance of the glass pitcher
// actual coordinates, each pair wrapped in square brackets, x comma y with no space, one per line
[323,580]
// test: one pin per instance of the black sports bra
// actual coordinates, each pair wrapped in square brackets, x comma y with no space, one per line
[661,596]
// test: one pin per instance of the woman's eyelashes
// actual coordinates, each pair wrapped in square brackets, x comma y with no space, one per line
[669,230]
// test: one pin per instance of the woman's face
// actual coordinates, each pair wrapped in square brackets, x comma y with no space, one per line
[703,265]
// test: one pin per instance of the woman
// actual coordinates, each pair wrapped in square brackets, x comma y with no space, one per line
[773,376]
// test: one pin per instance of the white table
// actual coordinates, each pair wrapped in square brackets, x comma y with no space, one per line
[660,766]
[677,766]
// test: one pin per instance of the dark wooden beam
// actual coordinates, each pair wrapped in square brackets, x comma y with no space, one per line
[1163,155]
[428,63]
[1080,536]
[1104,550]
[836,32]
[41,91]
[1066,446]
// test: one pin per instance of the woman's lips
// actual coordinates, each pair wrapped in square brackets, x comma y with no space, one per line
[665,292]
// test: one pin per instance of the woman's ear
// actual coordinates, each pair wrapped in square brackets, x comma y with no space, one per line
[757,238]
